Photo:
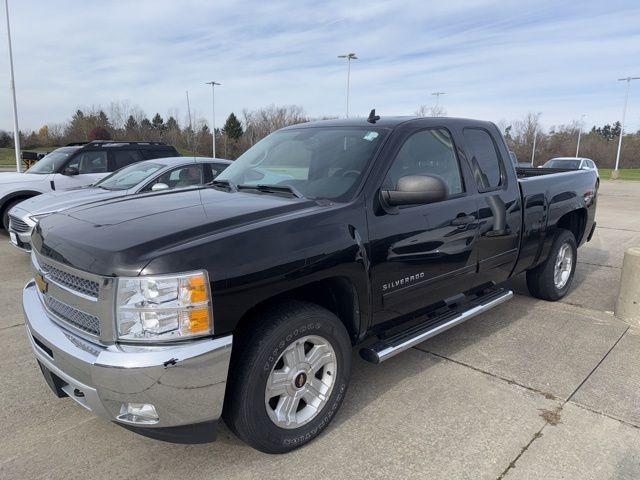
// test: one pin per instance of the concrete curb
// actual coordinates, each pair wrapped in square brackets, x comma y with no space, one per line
[628,305]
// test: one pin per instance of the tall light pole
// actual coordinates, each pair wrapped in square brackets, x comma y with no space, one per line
[213,114]
[615,172]
[535,138]
[349,57]
[580,132]
[16,130]
[437,95]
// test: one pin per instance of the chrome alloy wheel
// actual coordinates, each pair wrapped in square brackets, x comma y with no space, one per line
[563,266]
[300,382]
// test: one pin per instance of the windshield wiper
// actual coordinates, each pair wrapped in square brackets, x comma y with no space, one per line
[277,189]
[227,184]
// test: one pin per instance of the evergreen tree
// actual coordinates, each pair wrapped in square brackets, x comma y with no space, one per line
[6,140]
[130,125]
[172,124]
[232,127]
[103,120]
[157,122]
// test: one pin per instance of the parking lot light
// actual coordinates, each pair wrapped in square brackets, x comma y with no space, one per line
[614,174]
[16,130]
[349,57]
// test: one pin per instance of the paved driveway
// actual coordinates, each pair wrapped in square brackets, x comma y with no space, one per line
[530,390]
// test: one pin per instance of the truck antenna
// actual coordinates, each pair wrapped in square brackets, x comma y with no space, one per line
[373,118]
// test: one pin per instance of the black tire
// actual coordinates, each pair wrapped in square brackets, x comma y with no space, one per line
[5,213]
[540,280]
[254,357]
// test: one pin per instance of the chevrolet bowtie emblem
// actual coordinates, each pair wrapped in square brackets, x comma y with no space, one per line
[42,284]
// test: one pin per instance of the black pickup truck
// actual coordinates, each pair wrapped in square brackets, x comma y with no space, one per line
[244,298]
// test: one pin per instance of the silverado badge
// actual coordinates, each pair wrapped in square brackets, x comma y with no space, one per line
[42,284]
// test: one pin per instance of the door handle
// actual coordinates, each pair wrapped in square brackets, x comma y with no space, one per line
[462,220]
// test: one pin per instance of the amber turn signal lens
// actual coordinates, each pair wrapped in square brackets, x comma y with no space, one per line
[198,289]
[199,321]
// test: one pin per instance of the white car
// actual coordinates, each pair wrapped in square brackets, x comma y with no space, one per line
[73,166]
[572,163]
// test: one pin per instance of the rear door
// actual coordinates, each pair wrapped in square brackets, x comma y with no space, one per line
[498,201]
[122,158]
[423,253]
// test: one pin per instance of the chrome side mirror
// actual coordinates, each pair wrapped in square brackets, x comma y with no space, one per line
[159,187]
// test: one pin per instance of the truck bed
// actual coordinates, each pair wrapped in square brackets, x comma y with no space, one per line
[547,195]
[525,172]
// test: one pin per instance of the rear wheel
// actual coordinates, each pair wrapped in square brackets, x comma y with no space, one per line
[288,377]
[552,279]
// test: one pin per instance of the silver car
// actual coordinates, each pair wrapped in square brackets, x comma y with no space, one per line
[151,175]
[572,163]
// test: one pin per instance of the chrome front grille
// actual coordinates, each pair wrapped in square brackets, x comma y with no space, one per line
[78,300]
[83,321]
[17,225]
[69,280]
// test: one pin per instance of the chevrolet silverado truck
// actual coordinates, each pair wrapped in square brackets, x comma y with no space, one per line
[243,299]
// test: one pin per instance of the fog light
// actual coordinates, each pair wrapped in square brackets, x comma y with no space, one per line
[144,413]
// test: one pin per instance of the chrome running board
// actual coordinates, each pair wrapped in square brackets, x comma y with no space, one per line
[393,345]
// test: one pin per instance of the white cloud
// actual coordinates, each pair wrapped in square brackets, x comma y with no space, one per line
[496,60]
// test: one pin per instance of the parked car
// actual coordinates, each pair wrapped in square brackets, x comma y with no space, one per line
[141,177]
[244,299]
[572,163]
[73,166]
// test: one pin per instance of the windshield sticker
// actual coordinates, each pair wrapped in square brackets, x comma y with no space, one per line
[371,136]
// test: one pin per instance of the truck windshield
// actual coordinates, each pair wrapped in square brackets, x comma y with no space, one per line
[129,177]
[318,162]
[569,164]
[51,163]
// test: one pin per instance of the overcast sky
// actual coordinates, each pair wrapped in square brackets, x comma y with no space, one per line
[495,60]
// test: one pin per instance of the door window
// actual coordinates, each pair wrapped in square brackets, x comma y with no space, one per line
[212,170]
[427,152]
[122,158]
[90,162]
[185,176]
[485,161]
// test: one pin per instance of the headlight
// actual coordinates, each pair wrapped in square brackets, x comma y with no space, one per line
[164,307]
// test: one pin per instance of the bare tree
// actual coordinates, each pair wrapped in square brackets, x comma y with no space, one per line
[433,111]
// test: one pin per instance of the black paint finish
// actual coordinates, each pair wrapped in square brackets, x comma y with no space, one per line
[386,266]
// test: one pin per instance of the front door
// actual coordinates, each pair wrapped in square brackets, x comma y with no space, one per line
[91,166]
[423,253]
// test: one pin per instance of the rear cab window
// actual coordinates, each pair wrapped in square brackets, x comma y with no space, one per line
[486,164]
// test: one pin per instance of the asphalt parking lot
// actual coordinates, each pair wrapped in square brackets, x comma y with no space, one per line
[529,390]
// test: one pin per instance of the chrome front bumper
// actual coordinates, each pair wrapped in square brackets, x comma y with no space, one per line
[22,241]
[185,383]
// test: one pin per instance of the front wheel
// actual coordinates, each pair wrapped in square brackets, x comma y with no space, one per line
[552,279]
[5,214]
[288,377]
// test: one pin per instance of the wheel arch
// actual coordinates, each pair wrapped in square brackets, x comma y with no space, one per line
[576,222]
[17,195]
[337,294]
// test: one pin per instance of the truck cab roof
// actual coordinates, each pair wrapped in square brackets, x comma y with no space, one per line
[391,122]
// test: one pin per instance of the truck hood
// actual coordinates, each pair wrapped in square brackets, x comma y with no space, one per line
[119,237]
[61,200]
[15,177]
